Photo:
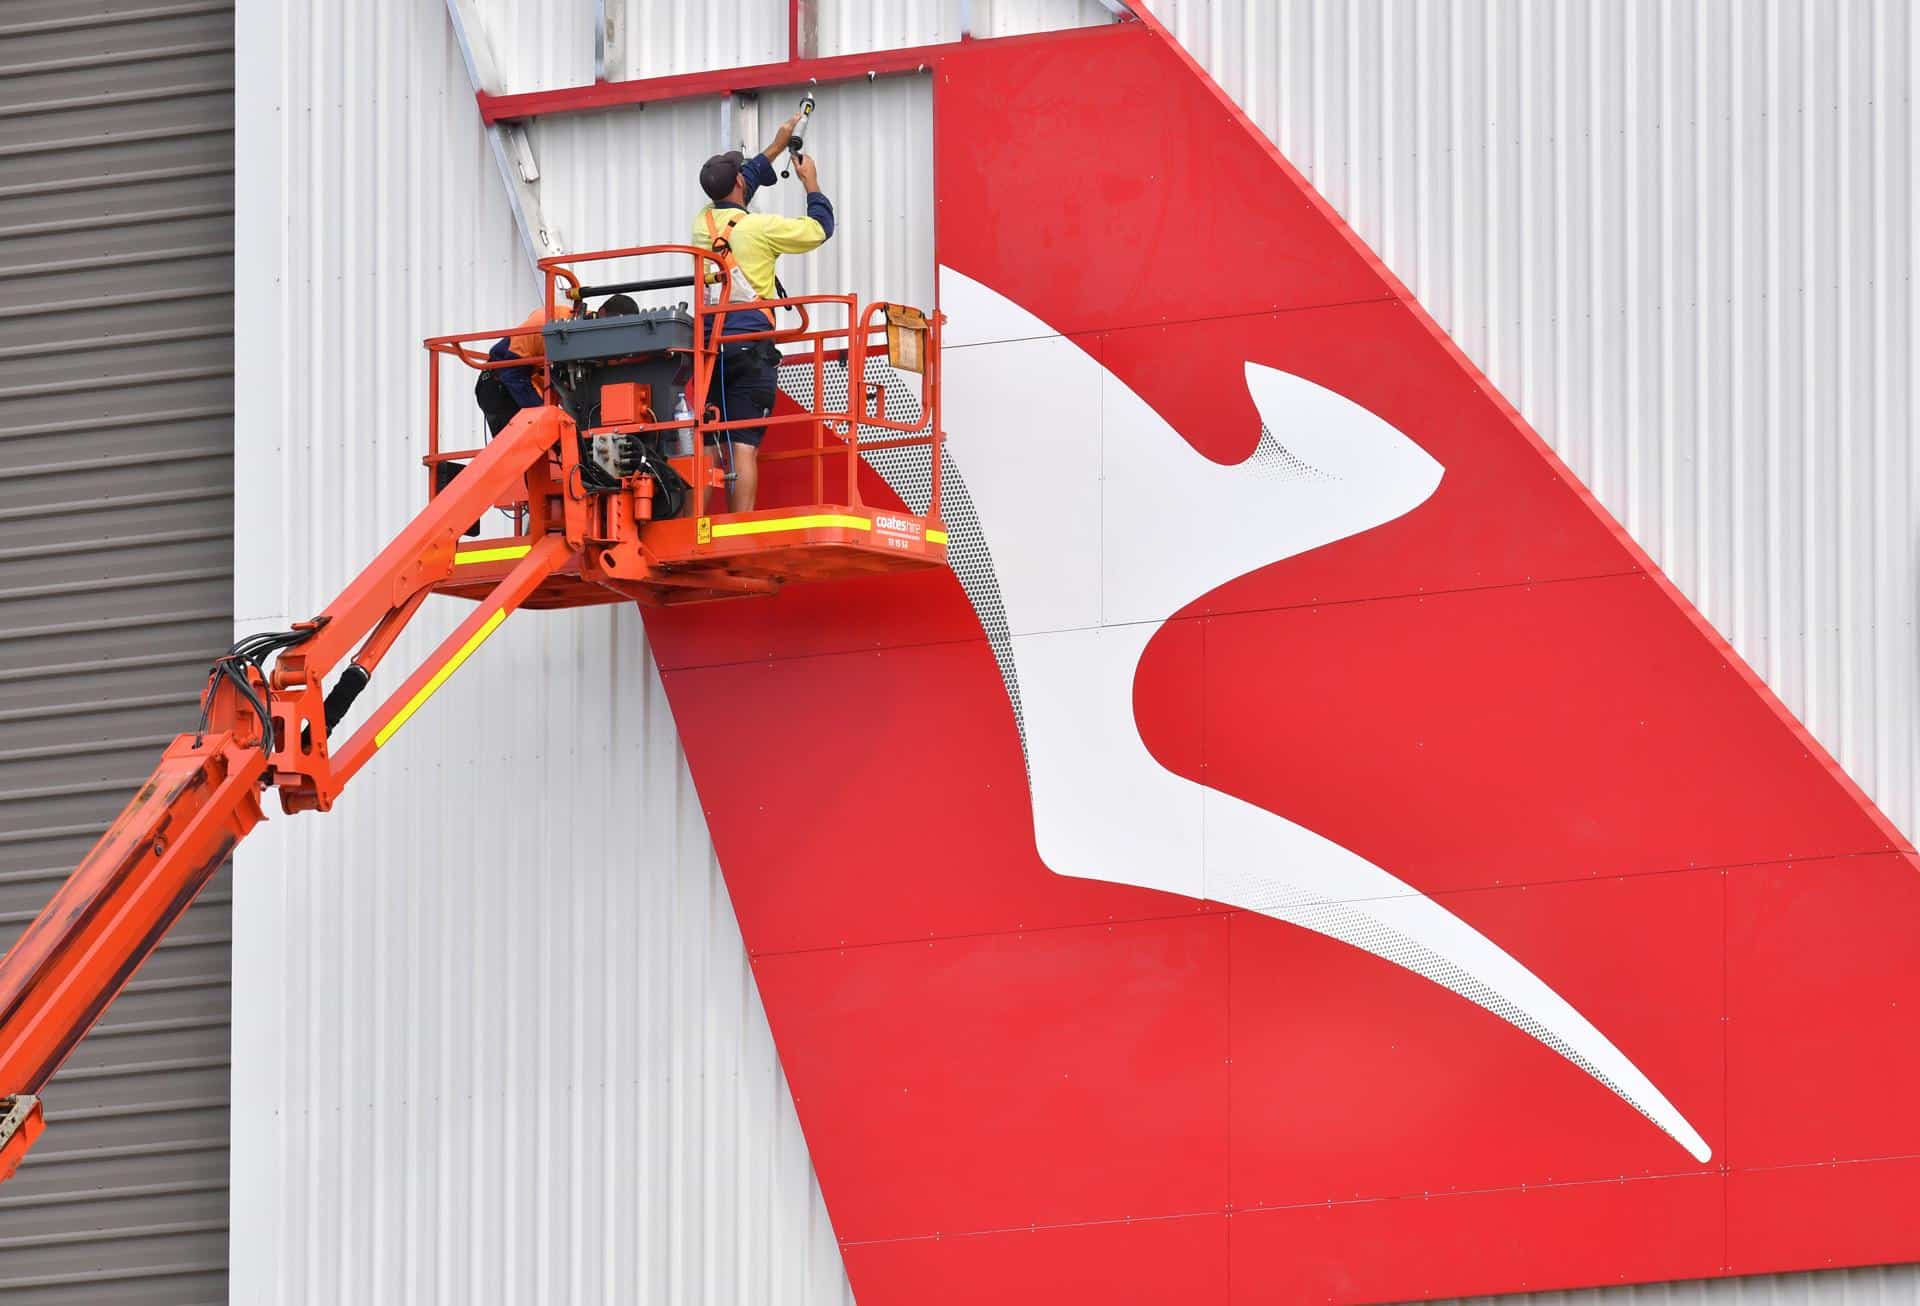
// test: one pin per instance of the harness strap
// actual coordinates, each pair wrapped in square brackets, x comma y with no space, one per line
[721,244]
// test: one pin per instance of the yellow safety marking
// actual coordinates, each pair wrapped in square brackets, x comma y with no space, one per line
[440,677]
[504,554]
[703,531]
[936,537]
[775,524]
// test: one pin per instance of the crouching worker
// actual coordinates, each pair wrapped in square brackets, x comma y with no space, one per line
[749,244]
[502,392]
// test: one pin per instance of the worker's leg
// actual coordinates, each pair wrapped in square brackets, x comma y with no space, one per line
[499,407]
[746,477]
[752,380]
[497,404]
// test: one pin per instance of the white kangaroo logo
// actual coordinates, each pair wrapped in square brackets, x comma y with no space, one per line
[1102,522]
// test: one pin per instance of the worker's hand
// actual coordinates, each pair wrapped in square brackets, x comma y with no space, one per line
[781,137]
[804,168]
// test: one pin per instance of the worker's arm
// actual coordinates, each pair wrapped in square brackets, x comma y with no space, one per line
[798,235]
[758,172]
[780,139]
[517,380]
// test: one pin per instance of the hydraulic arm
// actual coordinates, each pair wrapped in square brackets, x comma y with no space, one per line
[603,512]
[259,728]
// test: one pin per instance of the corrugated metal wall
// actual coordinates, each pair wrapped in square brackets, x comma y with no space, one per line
[541,44]
[1895,1285]
[603,174]
[1679,235]
[116,230]
[502,1042]
[448,1094]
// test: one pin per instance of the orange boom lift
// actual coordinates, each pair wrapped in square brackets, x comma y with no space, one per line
[608,504]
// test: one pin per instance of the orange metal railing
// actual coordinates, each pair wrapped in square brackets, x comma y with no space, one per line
[801,344]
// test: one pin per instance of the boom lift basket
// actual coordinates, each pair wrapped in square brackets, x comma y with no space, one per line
[642,537]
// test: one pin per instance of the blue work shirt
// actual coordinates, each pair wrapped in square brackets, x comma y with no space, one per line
[517,380]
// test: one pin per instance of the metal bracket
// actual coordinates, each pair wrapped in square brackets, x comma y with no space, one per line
[746,135]
[1118,8]
[609,51]
[13,1114]
[512,149]
[472,39]
[513,154]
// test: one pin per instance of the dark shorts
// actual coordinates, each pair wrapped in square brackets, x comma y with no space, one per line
[496,402]
[745,380]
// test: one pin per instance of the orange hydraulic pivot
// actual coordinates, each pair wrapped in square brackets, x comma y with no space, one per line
[547,556]
[381,599]
[204,797]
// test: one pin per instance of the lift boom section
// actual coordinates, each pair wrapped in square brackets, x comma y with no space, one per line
[608,504]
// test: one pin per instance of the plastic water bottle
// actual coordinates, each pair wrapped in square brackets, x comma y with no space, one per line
[683,438]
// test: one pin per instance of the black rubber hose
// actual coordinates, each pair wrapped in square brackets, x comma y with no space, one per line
[345,690]
[621,287]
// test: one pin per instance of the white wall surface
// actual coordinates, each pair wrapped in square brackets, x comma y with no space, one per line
[495,1036]
[1680,237]
[625,176]
[544,44]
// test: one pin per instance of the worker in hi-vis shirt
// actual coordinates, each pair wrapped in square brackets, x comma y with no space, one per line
[750,245]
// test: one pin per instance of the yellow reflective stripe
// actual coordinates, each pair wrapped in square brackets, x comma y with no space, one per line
[504,554]
[936,537]
[427,690]
[722,529]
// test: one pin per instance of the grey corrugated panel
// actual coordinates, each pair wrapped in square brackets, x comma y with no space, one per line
[1879,1285]
[116,520]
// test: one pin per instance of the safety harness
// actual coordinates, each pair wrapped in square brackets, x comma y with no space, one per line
[722,245]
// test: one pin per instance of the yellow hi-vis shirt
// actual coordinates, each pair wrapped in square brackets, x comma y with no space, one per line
[758,239]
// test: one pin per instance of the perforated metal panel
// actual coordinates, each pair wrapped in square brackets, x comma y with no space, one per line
[116,524]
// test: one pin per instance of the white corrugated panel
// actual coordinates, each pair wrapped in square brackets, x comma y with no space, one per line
[487,1056]
[541,44]
[630,176]
[496,1040]
[1885,1285]
[847,26]
[1681,238]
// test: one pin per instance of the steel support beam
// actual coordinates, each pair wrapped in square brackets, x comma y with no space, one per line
[512,151]
[609,45]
